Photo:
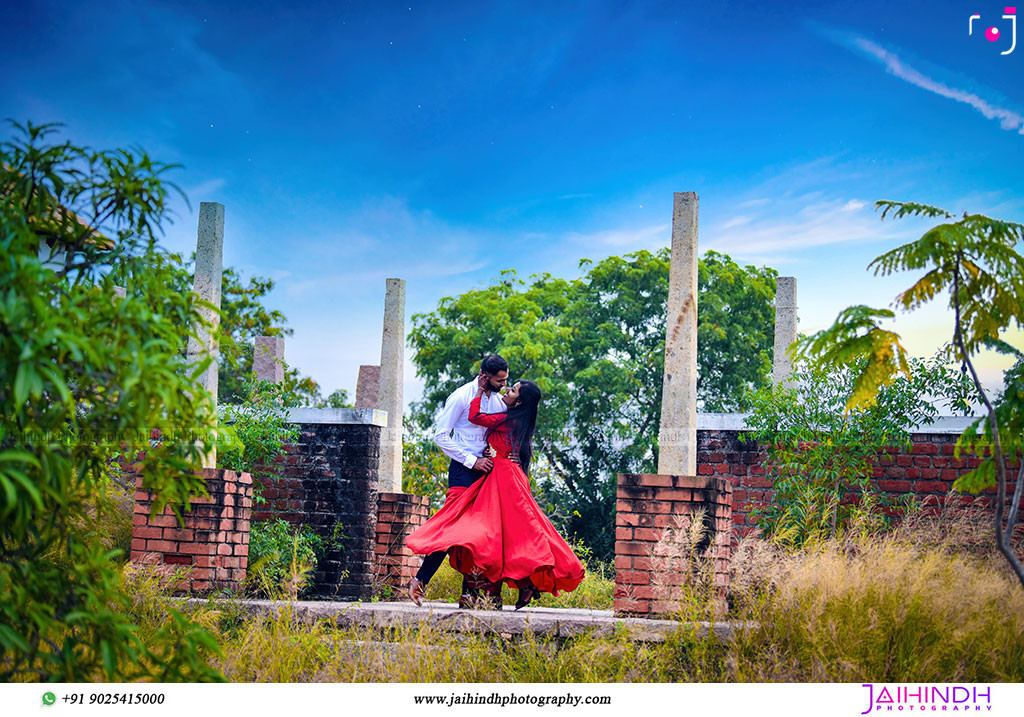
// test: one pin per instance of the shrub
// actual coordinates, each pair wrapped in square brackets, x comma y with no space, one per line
[256,430]
[821,454]
[85,375]
[281,558]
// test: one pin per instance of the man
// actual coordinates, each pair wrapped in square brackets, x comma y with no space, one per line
[466,444]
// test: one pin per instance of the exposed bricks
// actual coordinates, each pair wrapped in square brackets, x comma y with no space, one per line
[654,511]
[926,469]
[398,514]
[206,558]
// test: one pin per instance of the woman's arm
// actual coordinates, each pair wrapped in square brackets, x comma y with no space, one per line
[490,420]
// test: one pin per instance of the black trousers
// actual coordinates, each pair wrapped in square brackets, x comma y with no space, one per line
[458,476]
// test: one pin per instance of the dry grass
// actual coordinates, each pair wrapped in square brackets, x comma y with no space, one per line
[929,602]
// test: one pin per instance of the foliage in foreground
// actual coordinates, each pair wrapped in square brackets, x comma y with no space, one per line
[972,262]
[86,375]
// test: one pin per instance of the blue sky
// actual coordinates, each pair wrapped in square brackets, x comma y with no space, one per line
[444,142]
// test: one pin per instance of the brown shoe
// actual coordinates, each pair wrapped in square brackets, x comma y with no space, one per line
[416,591]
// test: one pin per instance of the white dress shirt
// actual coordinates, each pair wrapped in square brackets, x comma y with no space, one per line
[459,439]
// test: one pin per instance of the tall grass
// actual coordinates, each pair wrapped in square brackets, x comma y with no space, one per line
[928,602]
[925,603]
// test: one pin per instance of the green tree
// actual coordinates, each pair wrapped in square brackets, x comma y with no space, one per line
[972,262]
[255,431]
[596,348]
[84,375]
[424,468]
[243,317]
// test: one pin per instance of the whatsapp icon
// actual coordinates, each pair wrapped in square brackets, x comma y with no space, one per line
[49,698]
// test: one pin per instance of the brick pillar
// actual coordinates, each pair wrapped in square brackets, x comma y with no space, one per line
[398,514]
[653,515]
[213,538]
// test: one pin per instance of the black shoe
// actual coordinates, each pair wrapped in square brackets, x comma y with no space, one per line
[527,594]
[470,597]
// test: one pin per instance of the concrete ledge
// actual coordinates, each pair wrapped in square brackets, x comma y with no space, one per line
[552,622]
[345,416]
[359,416]
[738,422]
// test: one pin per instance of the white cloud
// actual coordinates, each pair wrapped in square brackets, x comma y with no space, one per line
[624,239]
[737,221]
[205,191]
[894,65]
[796,225]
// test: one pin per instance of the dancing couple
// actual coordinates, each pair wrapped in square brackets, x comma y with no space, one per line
[490,526]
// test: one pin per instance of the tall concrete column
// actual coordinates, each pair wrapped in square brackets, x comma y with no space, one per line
[268,358]
[206,285]
[368,387]
[677,438]
[785,327]
[392,364]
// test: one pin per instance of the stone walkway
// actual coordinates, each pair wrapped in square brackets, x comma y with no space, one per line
[555,622]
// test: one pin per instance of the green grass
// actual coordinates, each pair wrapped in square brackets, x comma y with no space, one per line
[594,593]
[278,649]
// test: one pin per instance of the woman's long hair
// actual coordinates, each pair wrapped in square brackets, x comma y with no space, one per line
[522,420]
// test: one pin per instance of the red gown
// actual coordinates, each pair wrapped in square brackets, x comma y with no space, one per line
[495,527]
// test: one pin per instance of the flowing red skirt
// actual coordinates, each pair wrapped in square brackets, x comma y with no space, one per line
[495,528]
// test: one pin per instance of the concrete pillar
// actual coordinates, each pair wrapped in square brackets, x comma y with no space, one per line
[677,438]
[268,358]
[392,364]
[785,327]
[206,285]
[368,387]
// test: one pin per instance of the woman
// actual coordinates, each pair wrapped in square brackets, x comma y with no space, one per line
[495,529]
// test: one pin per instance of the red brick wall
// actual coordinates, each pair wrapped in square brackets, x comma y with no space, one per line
[398,514]
[212,540]
[926,471]
[647,561]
